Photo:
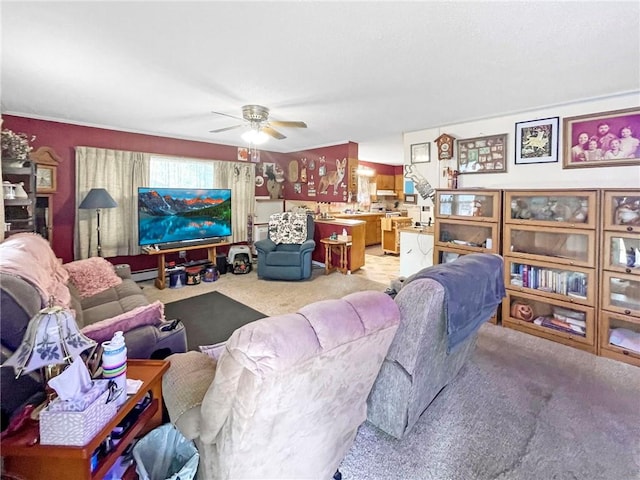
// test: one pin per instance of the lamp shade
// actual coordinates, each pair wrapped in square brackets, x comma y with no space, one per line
[98,198]
[52,337]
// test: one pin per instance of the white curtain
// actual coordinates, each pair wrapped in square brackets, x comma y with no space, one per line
[120,173]
[240,178]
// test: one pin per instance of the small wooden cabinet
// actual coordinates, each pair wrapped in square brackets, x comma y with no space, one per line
[19,212]
[619,320]
[391,233]
[551,258]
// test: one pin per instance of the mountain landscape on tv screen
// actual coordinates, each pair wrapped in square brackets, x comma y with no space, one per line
[175,215]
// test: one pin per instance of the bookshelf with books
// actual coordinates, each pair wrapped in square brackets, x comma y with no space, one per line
[551,259]
[619,319]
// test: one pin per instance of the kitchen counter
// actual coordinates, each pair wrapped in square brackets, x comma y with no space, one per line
[373,232]
[324,227]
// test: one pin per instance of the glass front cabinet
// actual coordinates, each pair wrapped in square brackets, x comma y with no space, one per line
[467,221]
[619,327]
[549,246]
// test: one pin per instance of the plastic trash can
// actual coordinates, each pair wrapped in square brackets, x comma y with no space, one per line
[165,454]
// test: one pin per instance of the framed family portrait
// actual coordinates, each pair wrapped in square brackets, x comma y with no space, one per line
[483,154]
[602,139]
[421,152]
[537,141]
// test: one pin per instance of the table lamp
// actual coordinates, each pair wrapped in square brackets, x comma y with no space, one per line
[98,198]
[52,338]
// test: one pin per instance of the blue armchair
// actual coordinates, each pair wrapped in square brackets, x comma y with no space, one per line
[286,253]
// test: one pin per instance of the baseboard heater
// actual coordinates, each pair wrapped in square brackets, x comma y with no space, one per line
[142,275]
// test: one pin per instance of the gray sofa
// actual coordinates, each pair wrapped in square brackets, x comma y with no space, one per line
[20,300]
[419,364]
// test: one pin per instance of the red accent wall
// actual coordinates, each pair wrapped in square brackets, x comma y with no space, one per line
[64,137]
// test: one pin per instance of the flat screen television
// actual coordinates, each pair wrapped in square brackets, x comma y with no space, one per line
[172,215]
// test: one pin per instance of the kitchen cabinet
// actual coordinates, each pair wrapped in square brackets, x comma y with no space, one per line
[619,316]
[399,186]
[385,182]
[551,276]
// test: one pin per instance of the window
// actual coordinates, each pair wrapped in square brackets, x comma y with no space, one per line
[175,172]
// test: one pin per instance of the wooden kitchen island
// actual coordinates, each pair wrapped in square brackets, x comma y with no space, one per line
[356,228]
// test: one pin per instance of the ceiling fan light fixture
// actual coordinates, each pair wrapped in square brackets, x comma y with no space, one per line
[255,136]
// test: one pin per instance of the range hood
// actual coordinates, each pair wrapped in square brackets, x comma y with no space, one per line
[385,193]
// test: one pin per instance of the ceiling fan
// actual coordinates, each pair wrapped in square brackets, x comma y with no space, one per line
[257,117]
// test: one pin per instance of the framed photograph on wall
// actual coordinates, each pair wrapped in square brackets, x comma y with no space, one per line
[483,154]
[602,139]
[421,152]
[537,141]
[410,198]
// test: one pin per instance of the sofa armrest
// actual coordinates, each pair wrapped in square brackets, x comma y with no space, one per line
[307,245]
[265,245]
[184,386]
[123,270]
[150,341]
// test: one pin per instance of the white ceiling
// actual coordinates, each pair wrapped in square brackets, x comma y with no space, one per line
[353,71]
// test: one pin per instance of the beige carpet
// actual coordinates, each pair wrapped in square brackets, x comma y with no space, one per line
[277,297]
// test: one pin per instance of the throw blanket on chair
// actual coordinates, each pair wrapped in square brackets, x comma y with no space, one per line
[288,227]
[473,288]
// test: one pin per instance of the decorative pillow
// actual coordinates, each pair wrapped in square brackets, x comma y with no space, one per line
[92,275]
[101,331]
[288,227]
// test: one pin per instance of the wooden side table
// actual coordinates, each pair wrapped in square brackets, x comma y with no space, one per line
[340,248]
[25,459]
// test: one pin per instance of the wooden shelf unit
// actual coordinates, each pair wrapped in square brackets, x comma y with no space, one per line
[551,264]
[620,267]
[20,212]
[26,460]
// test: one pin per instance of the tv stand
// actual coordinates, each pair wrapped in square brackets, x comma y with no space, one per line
[161,280]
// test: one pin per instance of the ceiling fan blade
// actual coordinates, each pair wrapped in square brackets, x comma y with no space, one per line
[227,115]
[274,133]
[288,124]
[225,129]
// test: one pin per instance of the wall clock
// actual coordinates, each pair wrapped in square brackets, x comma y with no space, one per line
[46,179]
[445,147]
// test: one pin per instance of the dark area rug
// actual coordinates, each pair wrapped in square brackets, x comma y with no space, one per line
[210,318]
